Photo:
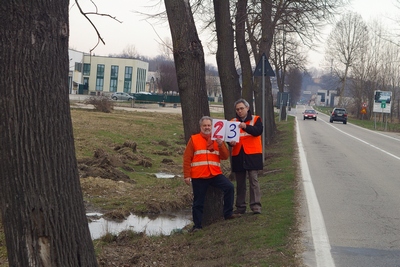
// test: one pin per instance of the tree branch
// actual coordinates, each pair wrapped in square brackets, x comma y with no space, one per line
[85,14]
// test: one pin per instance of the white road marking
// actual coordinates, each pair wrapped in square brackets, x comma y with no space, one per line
[320,237]
[365,142]
[377,132]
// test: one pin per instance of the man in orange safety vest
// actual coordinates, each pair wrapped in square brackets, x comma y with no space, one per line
[201,168]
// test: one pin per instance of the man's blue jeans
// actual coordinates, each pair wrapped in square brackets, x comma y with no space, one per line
[200,187]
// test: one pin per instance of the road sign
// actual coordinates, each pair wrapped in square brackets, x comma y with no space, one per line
[363,110]
[364,105]
[282,99]
[379,98]
[268,71]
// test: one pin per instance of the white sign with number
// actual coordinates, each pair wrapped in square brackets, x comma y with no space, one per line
[225,130]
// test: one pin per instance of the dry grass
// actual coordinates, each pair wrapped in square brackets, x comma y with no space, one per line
[154,143]
[138,145]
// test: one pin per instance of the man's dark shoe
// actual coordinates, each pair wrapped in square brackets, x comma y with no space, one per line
[194,229]
[233,216]
[255,212]
[239,212]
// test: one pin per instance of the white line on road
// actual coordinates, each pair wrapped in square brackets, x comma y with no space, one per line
[376,132]
[320,237]
[365,142]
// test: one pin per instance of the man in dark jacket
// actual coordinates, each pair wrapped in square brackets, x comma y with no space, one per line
[247,157]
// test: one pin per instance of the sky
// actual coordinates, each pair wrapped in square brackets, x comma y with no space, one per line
[370,10]
[136,30]
[132,30]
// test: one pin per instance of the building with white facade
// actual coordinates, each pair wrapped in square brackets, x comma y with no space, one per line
[75,70]
[96,75]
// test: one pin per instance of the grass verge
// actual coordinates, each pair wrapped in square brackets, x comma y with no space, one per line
[268,239]
[375,123]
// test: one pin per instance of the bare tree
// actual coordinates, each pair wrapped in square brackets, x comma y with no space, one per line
[244,55]
[166,48]
[41,201]
[286,55]
[190,71]
[229,77]
[130,52]
[294,80]
[389,67]
[364,76]
[168,80]
[345,45]
[189,63]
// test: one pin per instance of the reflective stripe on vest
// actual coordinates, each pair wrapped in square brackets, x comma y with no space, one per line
[205,163]
[200,163]
[251,144]
[206,151]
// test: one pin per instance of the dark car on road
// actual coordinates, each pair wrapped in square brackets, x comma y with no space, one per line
[310,114]
[338,114]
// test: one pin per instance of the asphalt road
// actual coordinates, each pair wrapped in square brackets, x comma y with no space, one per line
[351,186]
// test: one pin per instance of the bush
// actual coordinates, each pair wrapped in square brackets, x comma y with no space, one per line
[101,103]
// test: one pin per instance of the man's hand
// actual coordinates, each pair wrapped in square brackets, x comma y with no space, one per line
[242,125]
[219,141]
[232,143]
[188,180]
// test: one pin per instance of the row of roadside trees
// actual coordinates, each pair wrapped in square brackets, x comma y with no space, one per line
[362,58]
[41,201]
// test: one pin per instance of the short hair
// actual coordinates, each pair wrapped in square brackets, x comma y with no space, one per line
[241,101]
[205,118]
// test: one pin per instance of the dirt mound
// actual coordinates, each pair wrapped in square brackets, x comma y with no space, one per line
[106,165]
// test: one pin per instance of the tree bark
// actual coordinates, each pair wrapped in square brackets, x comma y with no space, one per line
[190,68]
[244,56]
[189,63]
[265,45]
[41,200]
[229,77]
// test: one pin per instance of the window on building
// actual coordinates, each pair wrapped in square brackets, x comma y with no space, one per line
[141,80]
[78,66]
[128,79]
[114,78]
[86,69]
[100,77]
[85,83]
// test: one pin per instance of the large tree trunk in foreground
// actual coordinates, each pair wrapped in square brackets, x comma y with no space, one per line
[41,201]
[190,70]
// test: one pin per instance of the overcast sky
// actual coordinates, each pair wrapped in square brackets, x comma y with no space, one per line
[371,10]
[146,36]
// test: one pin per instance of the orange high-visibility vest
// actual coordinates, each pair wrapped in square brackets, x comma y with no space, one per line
[205,163]
[251,144]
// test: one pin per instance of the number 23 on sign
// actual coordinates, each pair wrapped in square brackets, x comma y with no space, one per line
[225,130]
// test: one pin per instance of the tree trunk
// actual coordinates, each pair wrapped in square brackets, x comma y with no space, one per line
[228,75]
[265,46]
[244,57]
[41,200]
[189,63]
[190,68]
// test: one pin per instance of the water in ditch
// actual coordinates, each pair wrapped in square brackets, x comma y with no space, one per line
[159,225]
[163,224]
